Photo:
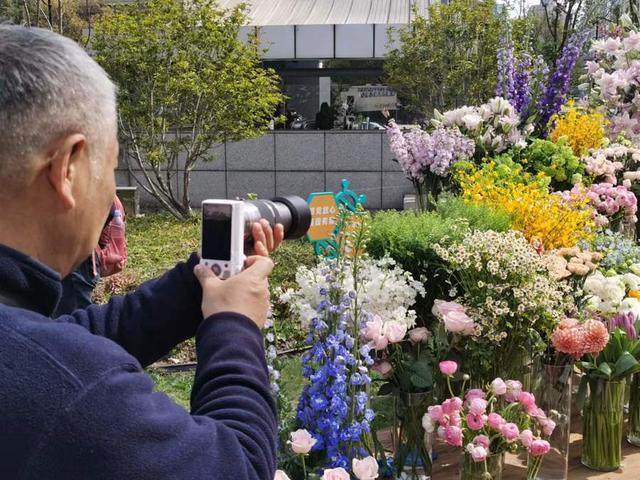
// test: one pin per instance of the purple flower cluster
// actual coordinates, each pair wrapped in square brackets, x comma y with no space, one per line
[625,321]
[522,82]
[420,153]
[555,94]
[506,73]
[333,406]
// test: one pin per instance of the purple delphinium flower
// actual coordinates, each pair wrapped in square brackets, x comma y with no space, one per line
[625,321]
[555,94]
[522,84]
[506,81]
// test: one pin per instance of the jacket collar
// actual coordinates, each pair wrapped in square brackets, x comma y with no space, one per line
[27,283]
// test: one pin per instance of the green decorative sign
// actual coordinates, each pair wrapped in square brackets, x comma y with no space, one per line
[325,212]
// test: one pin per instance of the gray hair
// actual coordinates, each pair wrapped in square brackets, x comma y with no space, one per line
[49,87]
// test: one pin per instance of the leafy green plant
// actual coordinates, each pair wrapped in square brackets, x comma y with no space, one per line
[186,82]
[555,160]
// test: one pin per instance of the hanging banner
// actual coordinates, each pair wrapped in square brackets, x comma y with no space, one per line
[370,98]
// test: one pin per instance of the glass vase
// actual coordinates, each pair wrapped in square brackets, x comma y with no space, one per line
[602,425]
[552,389]
[412,446]
[490,469]
[633,437]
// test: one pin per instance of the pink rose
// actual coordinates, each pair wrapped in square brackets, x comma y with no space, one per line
[335,474]
[478,453]
[526,437]
[374,333]
[459,322]
[498,386]
[280,475]
[514,388]
[453,436]
[419,335]
[478,406]
[394,331]
[539,447]
[365,469]
[451,405]
[474,393]
[435,412]
[510,432]
[448,368]
[482,440]
[301,441]
[495,421]
[475,422]
[383,367]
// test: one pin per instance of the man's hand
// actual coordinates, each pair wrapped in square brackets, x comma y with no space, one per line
[246,293]
[266,239]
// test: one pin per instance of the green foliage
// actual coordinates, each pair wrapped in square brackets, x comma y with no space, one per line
[449,58]
[176,385]
[408,238]
[555,160]
[186,82]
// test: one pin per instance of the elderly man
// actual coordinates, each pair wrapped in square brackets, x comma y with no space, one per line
[75,402]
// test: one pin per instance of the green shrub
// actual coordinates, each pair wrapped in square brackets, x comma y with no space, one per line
[408,238]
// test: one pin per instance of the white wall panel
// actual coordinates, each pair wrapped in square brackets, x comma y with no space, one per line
[354,41]
[314,41]
[278,40]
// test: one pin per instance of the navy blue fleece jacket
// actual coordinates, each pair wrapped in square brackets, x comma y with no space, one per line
[76,404]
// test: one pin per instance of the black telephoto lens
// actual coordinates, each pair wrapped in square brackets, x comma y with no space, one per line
[289,210]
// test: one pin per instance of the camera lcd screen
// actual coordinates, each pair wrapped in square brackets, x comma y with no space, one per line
[216,231]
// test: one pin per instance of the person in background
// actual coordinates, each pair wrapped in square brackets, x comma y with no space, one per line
[109,258]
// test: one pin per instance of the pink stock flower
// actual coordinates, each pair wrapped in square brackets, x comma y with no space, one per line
[539,447]
[510,432]
[526,437]
[478,406]
[394,331]
[475,422]
[453,436]
[448,368]
[474,393]
[514,387]
[498,386]
[495,421]
[419,335]
[301,441]
[482,440]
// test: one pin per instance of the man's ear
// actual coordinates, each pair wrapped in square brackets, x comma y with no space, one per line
[64,161]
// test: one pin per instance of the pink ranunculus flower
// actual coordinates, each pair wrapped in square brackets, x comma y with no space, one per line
[479,453]
[394,331]
[474,393]
[453,436]
[459,322]
[373,331]
[428,423]
[548,426]
[528,401]
[510,432]
[539,447]
[441,308]
[451,405]
[475,422]
[301,441]
[365,469]
[440,432]
[478,406]
[383,367]
[514,388]
[499,387]
[482,440]
[455,419]
[281,475]
[419,335]
[495,421]
[526,437]
[448,367]
[435,412]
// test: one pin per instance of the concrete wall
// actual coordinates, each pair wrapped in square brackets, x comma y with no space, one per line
[298,163]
